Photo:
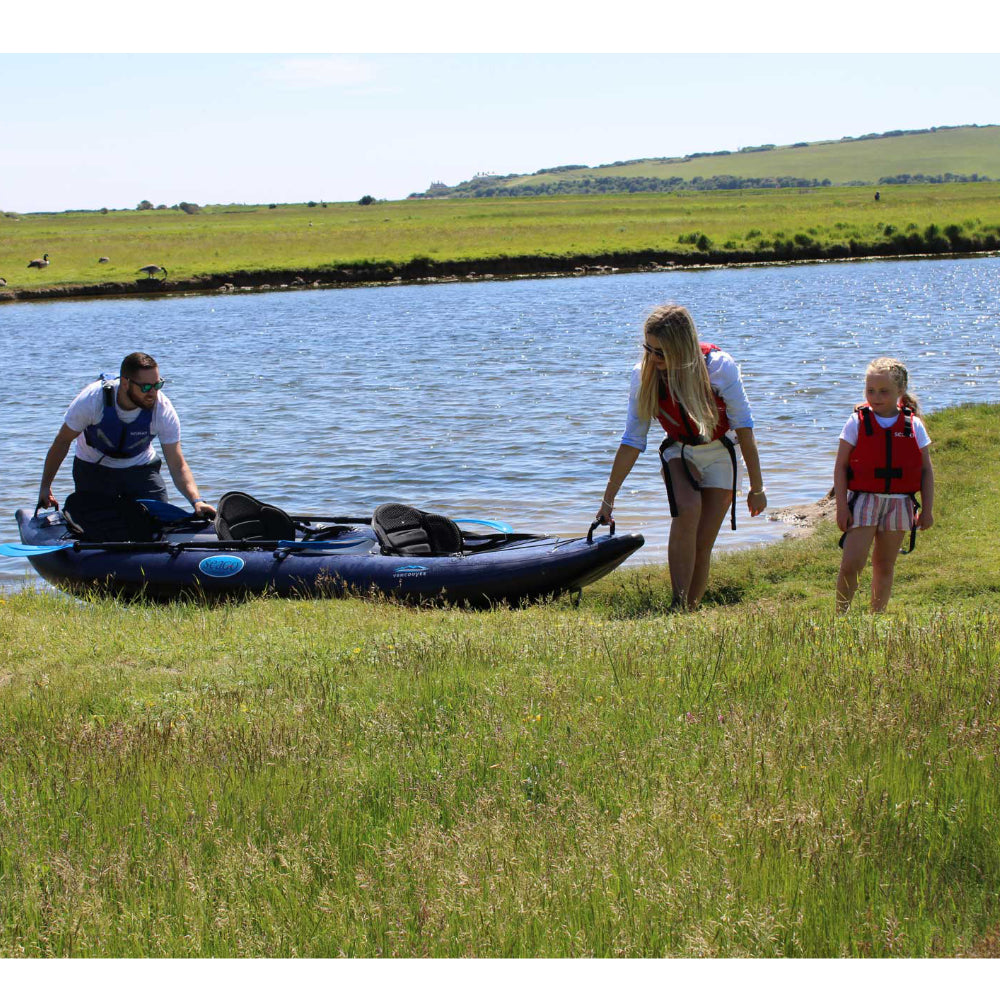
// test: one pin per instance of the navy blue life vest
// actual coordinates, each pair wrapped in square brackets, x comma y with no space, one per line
[114,438]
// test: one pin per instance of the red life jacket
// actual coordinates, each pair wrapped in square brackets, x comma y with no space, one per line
[885,460]
[675,421]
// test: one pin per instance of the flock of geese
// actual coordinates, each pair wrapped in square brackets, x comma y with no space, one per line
[40,262]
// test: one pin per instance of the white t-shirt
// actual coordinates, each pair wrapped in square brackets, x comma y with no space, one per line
[850,431]
[851,428]
[88,409]
[725,379]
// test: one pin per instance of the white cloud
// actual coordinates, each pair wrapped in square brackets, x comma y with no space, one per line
[309,73]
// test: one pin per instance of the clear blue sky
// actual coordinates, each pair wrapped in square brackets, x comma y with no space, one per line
[93,130]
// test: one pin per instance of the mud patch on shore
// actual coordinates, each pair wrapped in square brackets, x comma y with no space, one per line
[803,519]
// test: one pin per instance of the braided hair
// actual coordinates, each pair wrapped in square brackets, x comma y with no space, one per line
[896,371]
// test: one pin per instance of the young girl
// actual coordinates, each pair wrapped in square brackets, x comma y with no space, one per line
[696,392]
[884,459]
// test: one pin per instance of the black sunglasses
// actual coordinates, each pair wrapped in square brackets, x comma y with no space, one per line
[655,351]
[147,386]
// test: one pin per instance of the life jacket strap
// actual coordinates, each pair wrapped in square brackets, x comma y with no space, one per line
[731,448]
[668,482]
[850,510]
[913,529]
[866,417]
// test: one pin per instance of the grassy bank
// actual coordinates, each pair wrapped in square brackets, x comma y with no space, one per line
[324,778]
[346,242]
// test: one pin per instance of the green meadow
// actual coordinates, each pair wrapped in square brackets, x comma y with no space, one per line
[361,778]
[474,234]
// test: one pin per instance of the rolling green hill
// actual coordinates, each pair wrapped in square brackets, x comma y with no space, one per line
[967,152]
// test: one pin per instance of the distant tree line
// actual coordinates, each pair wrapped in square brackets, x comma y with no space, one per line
[947,178]
[908,131]
[492,187]
[489,188]
[189,207]
[563,169]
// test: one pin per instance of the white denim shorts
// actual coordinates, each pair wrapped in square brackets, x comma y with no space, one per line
[712,462]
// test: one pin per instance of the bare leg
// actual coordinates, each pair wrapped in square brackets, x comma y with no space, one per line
[714,507]
[887,545]
[856,546]
[683,545]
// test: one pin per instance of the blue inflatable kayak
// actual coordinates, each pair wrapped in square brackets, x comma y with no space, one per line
[191,559]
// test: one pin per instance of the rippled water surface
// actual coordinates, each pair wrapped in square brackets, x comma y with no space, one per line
[499,398]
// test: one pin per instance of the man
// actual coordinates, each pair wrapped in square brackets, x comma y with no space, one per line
[113,424]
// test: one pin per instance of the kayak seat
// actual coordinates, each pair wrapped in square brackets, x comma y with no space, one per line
[100,517]
[406,531]
[240,517]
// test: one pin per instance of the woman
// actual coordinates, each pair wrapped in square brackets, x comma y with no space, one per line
[696,392]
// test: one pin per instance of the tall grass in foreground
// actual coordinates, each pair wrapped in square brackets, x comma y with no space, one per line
[348,778]
[325,779]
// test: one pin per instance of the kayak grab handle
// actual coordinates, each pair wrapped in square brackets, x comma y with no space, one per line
[590,534]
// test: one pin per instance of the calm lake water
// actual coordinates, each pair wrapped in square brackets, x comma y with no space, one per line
[503,399]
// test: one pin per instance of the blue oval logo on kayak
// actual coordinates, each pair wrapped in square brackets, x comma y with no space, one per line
[220,566]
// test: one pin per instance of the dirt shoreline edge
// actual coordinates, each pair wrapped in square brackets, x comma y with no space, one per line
[423,270]
[803,519]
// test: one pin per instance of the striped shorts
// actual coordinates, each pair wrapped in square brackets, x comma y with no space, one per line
[884,511]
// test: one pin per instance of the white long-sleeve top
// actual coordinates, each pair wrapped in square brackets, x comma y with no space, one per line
[726,381]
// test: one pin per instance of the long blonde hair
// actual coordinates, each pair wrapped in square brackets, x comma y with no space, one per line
[672,327]
[897,374]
